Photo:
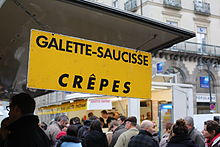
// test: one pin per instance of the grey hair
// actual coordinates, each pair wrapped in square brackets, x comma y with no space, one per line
[189,121]
[63,117]
[146,124]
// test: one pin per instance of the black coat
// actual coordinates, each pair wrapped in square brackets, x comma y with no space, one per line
[143,139]
[181,141]
[25,132]
[96,139]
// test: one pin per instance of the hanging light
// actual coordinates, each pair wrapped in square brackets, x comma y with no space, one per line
[217,67]
[200,65]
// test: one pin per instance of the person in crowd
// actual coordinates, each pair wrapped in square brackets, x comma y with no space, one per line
[179,135]
[70,140]
[155,133]
[148,116]
[76,121]
[119,130]
[121,121]
[84,129]
[23,127]
[60,134]
[212,133]
[217,119]
[194,134]
[105,119]
[54,120]
[116,115]
[93,118]
[165,137]
[113,125]
[4,131]
[56,127]
[90,114]
[43,126]
[145,137]
[111,114]
[95,136]
[124,138]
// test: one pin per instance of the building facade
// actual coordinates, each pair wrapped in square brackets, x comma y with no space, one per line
[195,61]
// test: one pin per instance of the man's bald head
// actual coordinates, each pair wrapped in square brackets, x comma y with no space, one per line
[148,126]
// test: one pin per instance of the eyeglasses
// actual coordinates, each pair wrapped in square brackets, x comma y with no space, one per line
[9,107]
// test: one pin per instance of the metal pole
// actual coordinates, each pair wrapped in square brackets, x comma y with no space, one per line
[209,75]
[141,7]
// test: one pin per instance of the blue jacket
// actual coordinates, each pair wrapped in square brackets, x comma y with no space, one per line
[69,141]
[71,144]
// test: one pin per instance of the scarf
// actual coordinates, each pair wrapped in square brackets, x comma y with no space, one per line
[213,140]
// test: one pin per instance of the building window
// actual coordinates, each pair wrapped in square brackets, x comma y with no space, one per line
[115,3]
[201,35]
[173,23]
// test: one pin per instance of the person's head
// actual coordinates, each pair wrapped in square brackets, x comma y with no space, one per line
[90,114]
[72,130]
[154,126]
[74,120]
[168,127]
[21,104]
[56,118]
[148,126]
[43,125]
[121,120]
[116,116]
[111,114]
[63,121]
[180,128]
[104,114]
[87,122]
[130,122]
[93,118]
[189,122]
[149,115]
[211,129]
[113,125]
[96,125]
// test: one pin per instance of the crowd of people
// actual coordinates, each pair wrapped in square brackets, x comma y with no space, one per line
[22,129]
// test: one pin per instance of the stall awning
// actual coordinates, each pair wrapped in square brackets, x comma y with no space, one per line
[78,18]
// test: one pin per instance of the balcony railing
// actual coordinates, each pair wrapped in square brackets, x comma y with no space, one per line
[196,48]
[173,4]
[131,5]
[201,7]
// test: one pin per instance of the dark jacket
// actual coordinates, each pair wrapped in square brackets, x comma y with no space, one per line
[82,132]
[108,121]
[181,141]
[143,139]
[78,125]
[25,132]
[70,139]
[197,137]
[118,131]
[96,139]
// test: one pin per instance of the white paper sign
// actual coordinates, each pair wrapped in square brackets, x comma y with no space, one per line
[99,104]
[205,97]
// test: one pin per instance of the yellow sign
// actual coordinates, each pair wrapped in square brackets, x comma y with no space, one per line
[74,106]
[58,62]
